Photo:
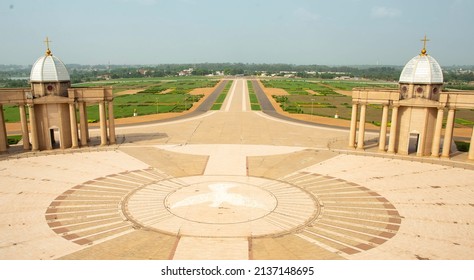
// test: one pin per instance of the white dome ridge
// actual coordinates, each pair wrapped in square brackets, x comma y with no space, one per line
[49,68]
[422,69]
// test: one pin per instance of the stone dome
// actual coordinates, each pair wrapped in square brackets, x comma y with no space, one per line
[49,68]
[422,69]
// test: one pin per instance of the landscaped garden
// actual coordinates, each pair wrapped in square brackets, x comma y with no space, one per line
[254,104]
[144,96]
[308,97]
[221,98]
[152,96]
[320,97]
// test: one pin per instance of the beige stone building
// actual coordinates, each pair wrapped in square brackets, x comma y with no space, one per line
[49,109]
[417,108]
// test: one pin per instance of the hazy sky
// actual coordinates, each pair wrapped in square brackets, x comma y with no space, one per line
[328,32]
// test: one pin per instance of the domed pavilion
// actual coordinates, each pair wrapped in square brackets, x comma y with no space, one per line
[52,105]
[417,111]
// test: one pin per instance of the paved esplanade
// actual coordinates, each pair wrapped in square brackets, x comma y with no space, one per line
[232,184]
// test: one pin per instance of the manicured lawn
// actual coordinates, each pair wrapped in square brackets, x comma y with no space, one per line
[216,106]
[464,122]
[11,113]
[221,98]
[299,87]
[254,104]
[255,107]
[179,87]
[301,102]
[152,100]
[325,102]
[146,104]
[253,99]
[349,85]
[462,146]
[148,101]
[13,139]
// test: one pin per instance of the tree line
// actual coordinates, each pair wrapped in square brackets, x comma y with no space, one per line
[87,73]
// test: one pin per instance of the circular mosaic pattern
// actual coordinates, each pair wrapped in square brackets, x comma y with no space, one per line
[217,206]
[220,203]
[320,213]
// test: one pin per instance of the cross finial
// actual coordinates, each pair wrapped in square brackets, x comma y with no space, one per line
[423,51]
[48,51]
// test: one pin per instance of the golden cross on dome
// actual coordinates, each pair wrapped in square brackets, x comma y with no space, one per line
[423,51]
[47,41]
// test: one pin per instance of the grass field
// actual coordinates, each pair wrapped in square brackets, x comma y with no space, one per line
[458,87]
[146,102]
[299,87]
[13,139]
[221,98]
[152,100]
[11,113]
[324,102]
[254,104]
[329,103]
[120,85]
[349,85]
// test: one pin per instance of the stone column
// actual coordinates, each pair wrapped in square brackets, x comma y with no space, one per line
[24,128]
[87,123]
[352,133]
[448,134]
[471,146]
[112,139]
[103,123]
[360,138]
[437,133]
[34,129]
[393,131]
[3,132]
[383,128]
[83,124]
[73,120]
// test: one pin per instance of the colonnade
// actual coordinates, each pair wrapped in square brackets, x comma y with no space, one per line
[393,134]
[29,130]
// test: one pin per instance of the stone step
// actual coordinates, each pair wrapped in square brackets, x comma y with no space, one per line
[66,221]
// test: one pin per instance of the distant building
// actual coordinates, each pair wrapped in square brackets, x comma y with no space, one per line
[143,71]
[217,73]
[343,78]
[104,77]
[186,72]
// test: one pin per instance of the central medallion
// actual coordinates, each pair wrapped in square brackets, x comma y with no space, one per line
[221,206]
[221,202]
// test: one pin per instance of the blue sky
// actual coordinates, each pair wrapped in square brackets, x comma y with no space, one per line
[336,32]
